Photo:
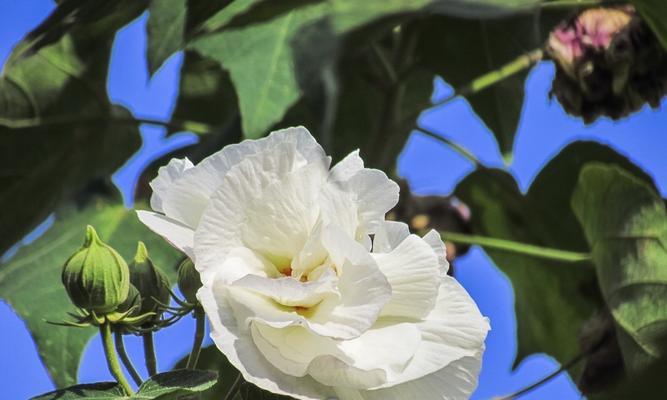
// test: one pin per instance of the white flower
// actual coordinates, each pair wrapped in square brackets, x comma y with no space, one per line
[296,298]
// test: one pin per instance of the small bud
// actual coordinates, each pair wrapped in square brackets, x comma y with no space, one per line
[133,300]
[188,280]
[149,280]
[96,277]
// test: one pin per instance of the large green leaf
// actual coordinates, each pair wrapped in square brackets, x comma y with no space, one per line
[55,116]
[462,50]
[166,30]
[30,281]
[173,385]
[655,13]
[552,299]
[211,358]
[626,225]
[265,46]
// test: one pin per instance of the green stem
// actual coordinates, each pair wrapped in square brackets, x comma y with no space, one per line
[235,387]
[574,361]
[112,360]
[175,124]
[125,359]
[456,147]
[558,4]
[200,329]
[149,353]
[516,247]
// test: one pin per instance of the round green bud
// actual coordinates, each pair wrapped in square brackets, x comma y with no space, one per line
[133,300]
[188,280]
[149,280]
[96,277]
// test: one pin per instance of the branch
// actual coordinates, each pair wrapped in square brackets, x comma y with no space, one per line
[516,247]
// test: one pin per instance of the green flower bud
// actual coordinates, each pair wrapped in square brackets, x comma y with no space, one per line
[133,300]
[96,277]
[188,280]
[149,280]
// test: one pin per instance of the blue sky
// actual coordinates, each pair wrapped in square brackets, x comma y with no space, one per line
[430,167]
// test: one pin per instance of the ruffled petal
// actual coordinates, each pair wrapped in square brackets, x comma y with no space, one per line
[177,234]
[237,345]
[456,381]
[435,241]
[453,330]
[413,272]
[389,236]
[166,177]
[189,195]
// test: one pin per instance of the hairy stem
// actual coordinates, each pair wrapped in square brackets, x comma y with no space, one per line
[112,359]
[516,247]
[125,359]
[149,353]
[200,321]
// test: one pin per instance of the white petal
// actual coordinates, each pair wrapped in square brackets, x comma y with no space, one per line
[363,362]
[291,292]
[364,290]
[237,345]
[189,195]
[179,235]
[454,329]
[377,356]
[347,167]
[435,241]
[267,208]
[376,195]
[166,176]
[389,236]
[457,381]
[239,263]
[413,272]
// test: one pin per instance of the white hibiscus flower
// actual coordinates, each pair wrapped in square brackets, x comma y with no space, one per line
[299,298]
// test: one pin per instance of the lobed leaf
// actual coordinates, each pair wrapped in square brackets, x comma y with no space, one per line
[625,222]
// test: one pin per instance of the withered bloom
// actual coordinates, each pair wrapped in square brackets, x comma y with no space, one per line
[608,63]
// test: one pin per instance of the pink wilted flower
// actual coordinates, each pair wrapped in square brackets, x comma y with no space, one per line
[608,64]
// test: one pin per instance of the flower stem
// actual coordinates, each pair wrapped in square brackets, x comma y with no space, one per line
[516,247]
[574,361]
[455,146]
[112,360]
[125,359]
[235,387]
[149,353]
[200,321]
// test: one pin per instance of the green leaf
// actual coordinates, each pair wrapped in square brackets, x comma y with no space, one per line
[211,358]
[462,50]
[166,386]
[30,281]
[259,58]
[264,46]
[55,116]
[176,384]
[553,299]
[655,13]
[166,30]
[206,93]
[626,225]
[100,391]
